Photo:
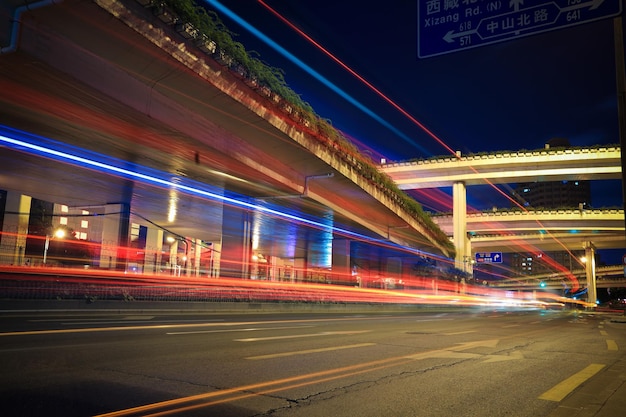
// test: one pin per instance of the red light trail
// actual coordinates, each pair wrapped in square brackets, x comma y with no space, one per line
[400,109]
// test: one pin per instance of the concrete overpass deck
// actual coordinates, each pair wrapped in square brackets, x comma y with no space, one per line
[505,230]
[110,77]
[547,230]
[600,163]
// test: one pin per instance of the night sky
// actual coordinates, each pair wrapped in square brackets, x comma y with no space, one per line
[511,95]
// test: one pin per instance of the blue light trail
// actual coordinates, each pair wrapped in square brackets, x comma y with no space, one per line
[216,4]
[45,147]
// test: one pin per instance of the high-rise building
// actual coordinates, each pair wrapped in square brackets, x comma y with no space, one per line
[549,195]
[554,194]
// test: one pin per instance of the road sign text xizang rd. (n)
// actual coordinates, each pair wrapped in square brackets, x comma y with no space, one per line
[446,26]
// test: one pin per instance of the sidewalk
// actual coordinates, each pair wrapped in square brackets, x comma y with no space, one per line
[604,395]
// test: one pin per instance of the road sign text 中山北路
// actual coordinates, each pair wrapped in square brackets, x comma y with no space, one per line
[446,26]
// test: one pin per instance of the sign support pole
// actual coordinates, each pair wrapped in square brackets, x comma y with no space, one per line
[620,74]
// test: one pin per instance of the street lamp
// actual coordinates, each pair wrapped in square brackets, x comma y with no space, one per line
[183,267]
[59,234]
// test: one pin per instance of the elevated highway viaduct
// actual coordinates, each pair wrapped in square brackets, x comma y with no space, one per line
[543,230]
[110,80]
[606,277]
[459,172]
[535,230]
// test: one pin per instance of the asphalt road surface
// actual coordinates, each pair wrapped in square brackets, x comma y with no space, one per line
[477,362]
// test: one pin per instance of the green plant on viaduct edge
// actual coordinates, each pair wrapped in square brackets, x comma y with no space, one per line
[206,25]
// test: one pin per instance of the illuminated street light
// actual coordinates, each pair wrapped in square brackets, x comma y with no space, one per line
[59,234]
[183,267]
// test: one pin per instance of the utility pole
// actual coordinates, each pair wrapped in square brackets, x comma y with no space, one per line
[620,73]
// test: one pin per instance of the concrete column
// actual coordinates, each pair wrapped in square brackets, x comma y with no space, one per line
[15,228]
[459,221]
[115,236]
[393,267]
[236,251]
[154,245]
[216,252]
[341,260]
[173,256]
[468,260]
[197,255]
[299,269]
[590,270]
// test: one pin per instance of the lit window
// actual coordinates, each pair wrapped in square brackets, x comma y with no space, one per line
[84,224]
[82,236]
[63,220]
[64,208]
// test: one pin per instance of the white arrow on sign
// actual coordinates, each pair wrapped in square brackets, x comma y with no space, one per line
[451,36]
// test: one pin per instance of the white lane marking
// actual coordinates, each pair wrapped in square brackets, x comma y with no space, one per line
[305,352]
[247,329]
[297,336]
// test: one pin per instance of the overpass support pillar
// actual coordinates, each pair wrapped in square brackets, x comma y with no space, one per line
[341,260]
[459,221]
[115,228]
[197,256]
[173,264]
[15,228]
[154,246]
[237,243]
[590,270]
